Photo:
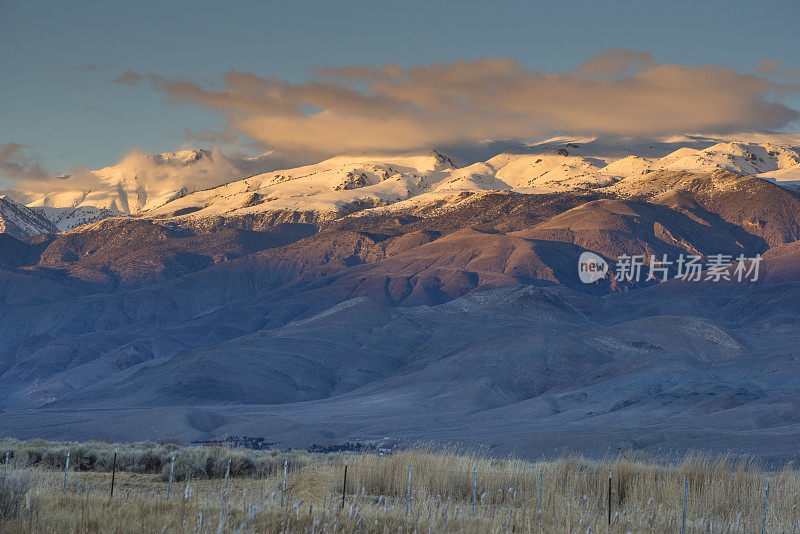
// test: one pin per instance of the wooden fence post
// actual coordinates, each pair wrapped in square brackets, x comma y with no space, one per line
[539,513]
[113,473]
[171,470]
[344,483]
[609,496]
[685,498]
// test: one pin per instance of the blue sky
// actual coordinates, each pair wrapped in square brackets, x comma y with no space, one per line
[59,58]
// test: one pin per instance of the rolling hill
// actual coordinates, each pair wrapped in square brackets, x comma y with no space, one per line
[413,297]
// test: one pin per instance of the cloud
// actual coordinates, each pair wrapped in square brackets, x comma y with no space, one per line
[769,66]
[15,165]
[391,108]
[776,69]
[616,62]
[137,171]
[196,168]
[208,135]
[88,66]
[130,78]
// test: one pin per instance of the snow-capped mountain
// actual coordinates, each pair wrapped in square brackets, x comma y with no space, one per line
[333,186]
[21,221]
[343,185]
[67,218]
[403,248]
[186,184]
[137,183]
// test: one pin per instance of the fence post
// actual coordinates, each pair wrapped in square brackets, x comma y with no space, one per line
[539,513]
[171,470]
[228,476]
[344,482]
[5,471]
[66,471]
[283,486]
[609,496]
[113,473]
[685,498]
[764,518]
[408,492]
[474,490]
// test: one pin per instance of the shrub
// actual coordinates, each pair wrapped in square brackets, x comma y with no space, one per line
[191,463]
[140,461]
[13,491]
[30,456]
[241,464]
[55,458]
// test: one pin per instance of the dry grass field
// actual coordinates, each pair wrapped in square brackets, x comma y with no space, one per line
[239,490]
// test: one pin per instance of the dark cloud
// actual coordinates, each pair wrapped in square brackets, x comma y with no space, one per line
[15,165]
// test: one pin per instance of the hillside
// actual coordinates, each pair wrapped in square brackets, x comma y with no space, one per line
[418,297]
[201,186]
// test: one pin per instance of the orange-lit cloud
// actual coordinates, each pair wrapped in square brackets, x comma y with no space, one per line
[391,108]
[770,66]
[156,172]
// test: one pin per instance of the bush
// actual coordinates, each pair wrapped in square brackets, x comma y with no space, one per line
[140,461]
[151,458]
[192,463]
[31,456]
[55,458]
[12,493]
[241,464]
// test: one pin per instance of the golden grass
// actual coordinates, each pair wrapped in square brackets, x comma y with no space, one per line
[646,496]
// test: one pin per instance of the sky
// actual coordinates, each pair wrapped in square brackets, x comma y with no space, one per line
[85,83]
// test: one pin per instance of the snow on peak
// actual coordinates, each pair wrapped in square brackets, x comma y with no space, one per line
[21,221]
[183,157]
[140,182]
[735,156]
[186,183]
[345,184]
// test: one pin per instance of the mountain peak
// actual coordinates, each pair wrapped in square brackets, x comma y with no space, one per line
[185,183]
[20,221]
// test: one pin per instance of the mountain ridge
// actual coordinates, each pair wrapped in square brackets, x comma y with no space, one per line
[166,185]
[462,311]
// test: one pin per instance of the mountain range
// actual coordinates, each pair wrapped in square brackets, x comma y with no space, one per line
[416,297]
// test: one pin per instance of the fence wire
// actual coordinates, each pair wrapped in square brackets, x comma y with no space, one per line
[690,497]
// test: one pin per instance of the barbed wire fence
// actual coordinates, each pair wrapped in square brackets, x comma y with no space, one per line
[733,499]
